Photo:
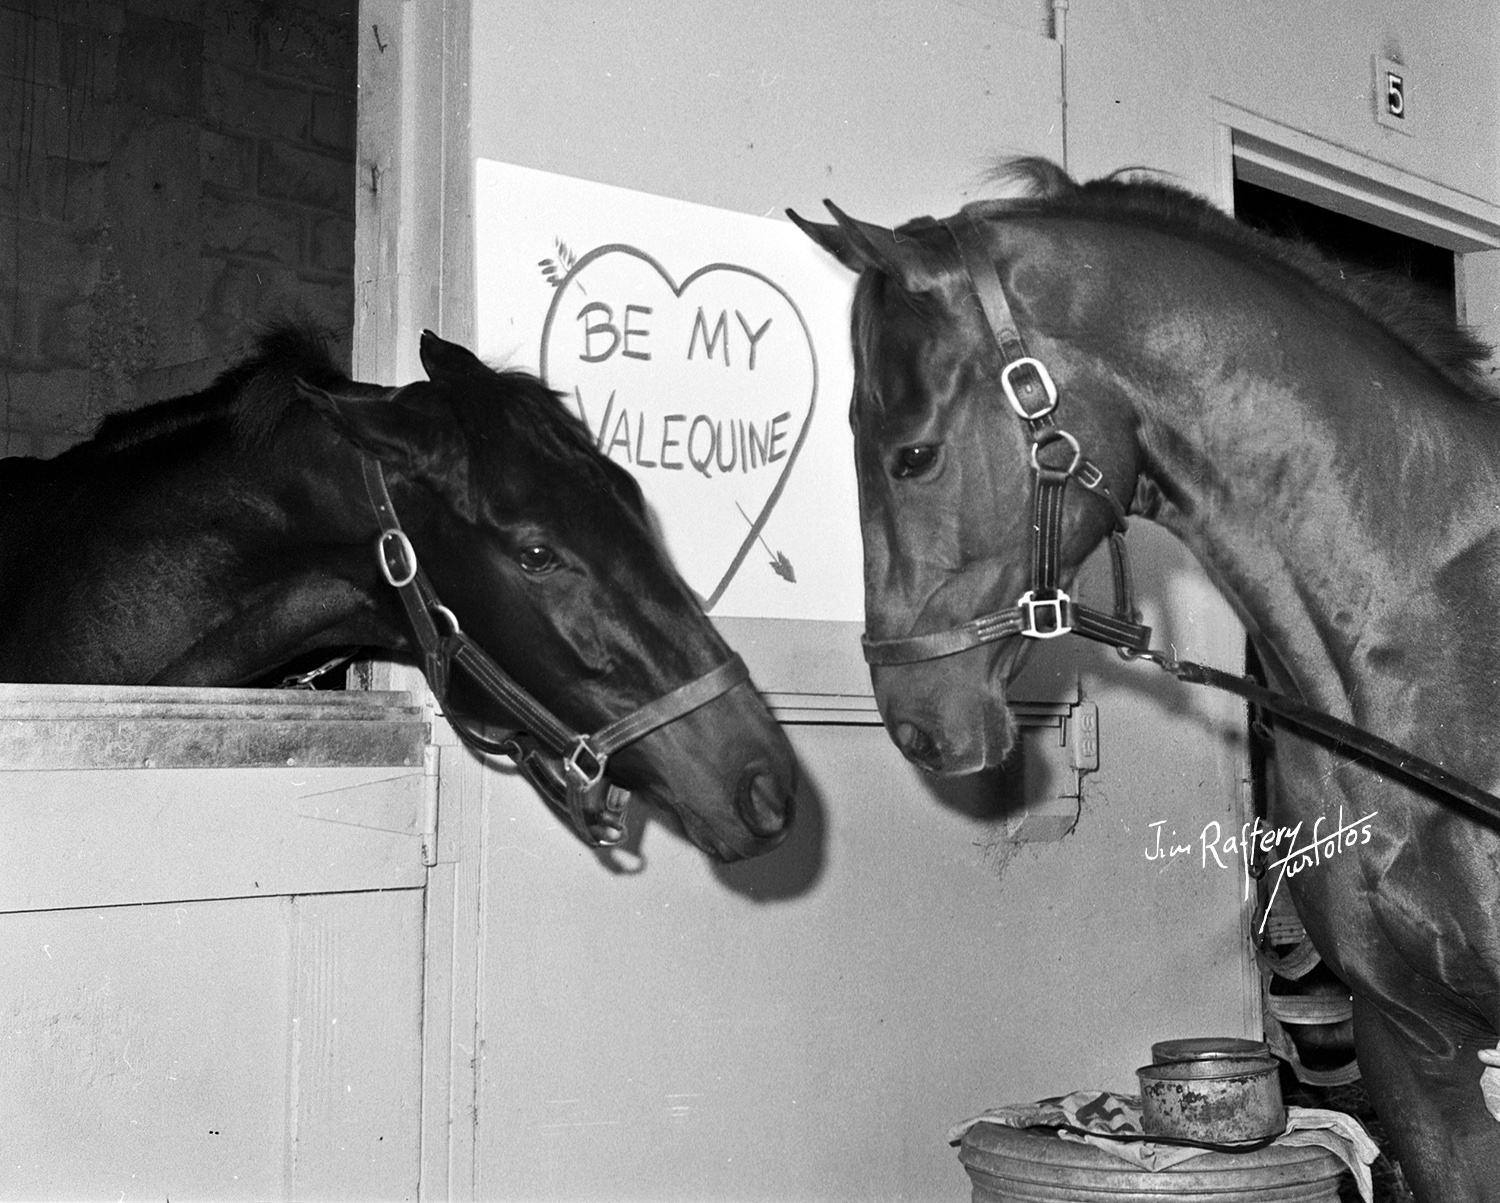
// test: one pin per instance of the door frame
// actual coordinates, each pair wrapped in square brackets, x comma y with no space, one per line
[1308,168]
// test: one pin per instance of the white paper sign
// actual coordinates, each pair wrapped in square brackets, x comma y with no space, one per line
[708,352]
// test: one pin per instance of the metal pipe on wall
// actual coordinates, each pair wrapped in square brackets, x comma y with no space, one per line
[1060,36]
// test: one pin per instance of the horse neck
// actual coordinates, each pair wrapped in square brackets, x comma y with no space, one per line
[1308,460]
[303,571]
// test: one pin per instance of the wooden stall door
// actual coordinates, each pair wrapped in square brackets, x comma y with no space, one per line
[211,934]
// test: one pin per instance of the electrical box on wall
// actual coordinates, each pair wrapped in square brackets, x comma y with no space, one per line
[1393,96]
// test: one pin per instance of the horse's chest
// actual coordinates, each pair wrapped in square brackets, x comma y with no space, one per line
[1416,890]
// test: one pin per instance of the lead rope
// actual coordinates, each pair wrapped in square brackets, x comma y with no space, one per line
[1343,734]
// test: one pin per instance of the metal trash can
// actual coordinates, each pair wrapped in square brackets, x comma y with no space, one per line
[1034,1165]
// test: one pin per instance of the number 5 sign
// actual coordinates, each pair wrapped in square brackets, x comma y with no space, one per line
[707,352]
[1393,95]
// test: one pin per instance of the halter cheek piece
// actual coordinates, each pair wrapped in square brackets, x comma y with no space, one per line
[1045,611]
[566,767]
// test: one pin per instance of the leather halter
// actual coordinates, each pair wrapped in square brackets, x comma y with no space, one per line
[565,766]
[1045,611]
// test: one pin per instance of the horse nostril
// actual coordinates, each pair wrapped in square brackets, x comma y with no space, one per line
[761,805]
[917,746]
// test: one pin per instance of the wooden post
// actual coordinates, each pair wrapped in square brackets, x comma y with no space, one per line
[412,273]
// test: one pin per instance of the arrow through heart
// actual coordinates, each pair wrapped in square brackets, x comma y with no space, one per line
[705,390]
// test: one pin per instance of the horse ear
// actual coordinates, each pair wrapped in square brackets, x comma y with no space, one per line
[382,427]
[861,245]
[831,239]
[441,358]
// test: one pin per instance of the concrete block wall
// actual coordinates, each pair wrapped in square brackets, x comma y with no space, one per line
[173,173]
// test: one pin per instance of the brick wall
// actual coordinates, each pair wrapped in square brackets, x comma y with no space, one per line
[173,173]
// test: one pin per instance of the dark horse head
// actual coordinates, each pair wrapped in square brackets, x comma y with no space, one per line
[212,539]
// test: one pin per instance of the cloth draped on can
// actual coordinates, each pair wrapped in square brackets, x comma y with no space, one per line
[1101,1118]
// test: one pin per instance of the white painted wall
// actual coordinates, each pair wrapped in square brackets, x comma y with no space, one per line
[1141,76]
[809,1025]
[893,109]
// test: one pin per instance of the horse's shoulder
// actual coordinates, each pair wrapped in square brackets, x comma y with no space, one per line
[20,467]
[23,502]
[20,477]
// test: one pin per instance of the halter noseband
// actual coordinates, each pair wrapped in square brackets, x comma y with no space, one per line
[1044,611]
[566,767]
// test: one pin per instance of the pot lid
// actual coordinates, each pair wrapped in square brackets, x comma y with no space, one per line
[1207,1048]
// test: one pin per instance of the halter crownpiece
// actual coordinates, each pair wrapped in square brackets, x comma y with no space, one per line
[1044,611]
[565,766]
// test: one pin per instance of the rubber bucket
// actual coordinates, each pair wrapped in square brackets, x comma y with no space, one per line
[1032,1165]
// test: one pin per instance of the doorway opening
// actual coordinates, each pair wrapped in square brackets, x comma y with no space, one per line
[1348,239]
[1307,1010]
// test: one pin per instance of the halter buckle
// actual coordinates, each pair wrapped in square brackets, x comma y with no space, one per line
[1045,617]
[1042,375]
[594,806]
[574,765]
[447,616]
[1046,439]
[396,557]
[1088,475]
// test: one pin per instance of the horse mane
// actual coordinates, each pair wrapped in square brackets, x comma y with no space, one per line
[1406,311]
[253,395]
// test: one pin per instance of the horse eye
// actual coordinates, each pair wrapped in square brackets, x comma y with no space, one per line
[537,559]
[915,461]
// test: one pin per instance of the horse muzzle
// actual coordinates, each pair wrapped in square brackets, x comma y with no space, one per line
[726,770]
[945,715]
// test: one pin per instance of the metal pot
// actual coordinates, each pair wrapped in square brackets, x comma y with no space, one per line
[1213,1099]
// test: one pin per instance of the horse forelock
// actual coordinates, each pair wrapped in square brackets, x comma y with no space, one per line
[881,302]
[867,332]
[1407,312]
[532,420]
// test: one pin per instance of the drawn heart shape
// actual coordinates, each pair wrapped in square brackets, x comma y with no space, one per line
[705,390]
